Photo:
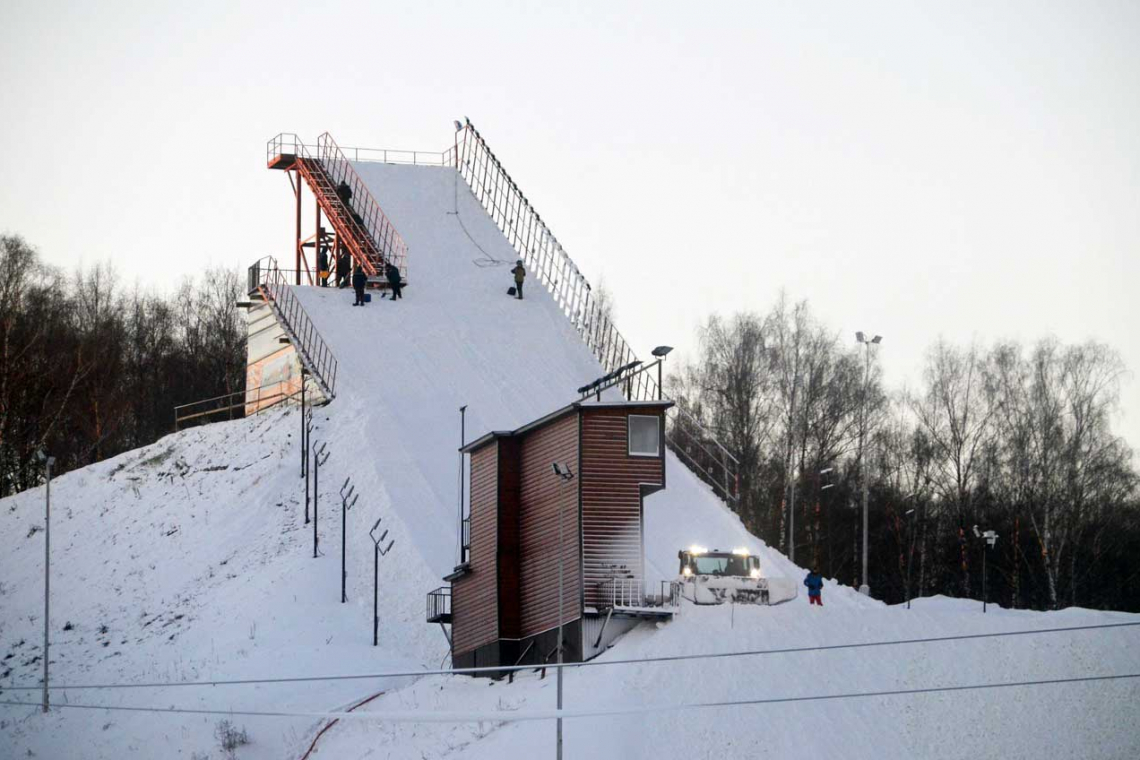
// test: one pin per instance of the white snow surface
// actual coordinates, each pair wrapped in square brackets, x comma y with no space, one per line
[189,560]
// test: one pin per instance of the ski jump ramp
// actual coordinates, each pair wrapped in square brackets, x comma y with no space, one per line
[457,339]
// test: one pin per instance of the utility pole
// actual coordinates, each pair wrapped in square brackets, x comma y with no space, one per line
[48,462]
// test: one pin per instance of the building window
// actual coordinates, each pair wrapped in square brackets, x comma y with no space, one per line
[644,435]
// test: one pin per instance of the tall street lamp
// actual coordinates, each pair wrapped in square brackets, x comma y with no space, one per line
[562,471]
[909,550]
[865,588]
[47,461]
[661,352]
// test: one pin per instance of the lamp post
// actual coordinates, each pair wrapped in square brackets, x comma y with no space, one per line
[563,472]
[377,551]
[792,519]
[47,461]
[304,439]
[909,550]
[865,588]
[320,456]
[462,443]
[345,505]
[661,352]
[990,537]
[307,432]
[823,487]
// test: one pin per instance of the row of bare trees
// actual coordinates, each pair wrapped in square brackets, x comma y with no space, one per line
[1009,438]
[90,369]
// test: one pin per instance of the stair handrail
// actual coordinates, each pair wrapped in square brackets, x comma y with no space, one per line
[546,259]
[278,144]
[375,222]
[312,350]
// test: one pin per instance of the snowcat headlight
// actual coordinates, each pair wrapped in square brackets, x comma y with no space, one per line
[740,551]
[755,573]
[686,571]
[695,549]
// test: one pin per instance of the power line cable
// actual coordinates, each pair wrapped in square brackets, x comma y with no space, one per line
[592,663]
[447,716]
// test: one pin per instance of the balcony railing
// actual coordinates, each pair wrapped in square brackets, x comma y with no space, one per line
[439,605]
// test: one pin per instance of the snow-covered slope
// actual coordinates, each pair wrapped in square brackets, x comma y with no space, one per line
[190,560]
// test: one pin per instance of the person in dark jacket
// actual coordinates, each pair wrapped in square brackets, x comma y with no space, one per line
[323,265]
[343,269]
[344,192]
[814,583]
[359,280]
[520,275]
[392,272]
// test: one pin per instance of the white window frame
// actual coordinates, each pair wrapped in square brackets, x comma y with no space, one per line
[629,435]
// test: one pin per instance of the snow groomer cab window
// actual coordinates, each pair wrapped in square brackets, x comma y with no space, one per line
[644,435]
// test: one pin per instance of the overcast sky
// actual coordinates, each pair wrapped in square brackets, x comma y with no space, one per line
[963,169]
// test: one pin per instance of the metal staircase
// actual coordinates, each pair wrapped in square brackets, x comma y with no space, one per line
[267,281]
[359,222]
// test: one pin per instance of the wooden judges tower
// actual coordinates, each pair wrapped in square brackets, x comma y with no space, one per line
[560,496]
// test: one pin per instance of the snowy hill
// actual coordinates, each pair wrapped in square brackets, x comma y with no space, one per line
[190,560]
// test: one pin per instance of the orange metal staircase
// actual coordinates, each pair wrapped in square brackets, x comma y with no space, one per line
[358,221]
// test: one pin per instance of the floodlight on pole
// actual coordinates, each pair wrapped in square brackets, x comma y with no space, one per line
[661,352]
[562,471]
[376,552]
[865,587]
[47,462]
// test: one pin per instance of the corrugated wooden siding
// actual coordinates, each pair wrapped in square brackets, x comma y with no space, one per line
[474,597]
[542,497]
[508,548]
[611,499]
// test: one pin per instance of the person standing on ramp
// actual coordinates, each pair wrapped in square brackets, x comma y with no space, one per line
[359,280]
[343,269]
[814,583]
[393,273]
[520,275]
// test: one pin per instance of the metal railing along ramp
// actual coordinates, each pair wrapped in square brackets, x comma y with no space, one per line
[267,279]
[547,261]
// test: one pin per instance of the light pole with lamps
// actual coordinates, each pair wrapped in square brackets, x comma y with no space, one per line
[990,537]
[47,461]
[909,550]
[865,588]
[823,487]
[563,472]
[661,352]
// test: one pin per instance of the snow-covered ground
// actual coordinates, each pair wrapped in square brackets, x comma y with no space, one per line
[190,560]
